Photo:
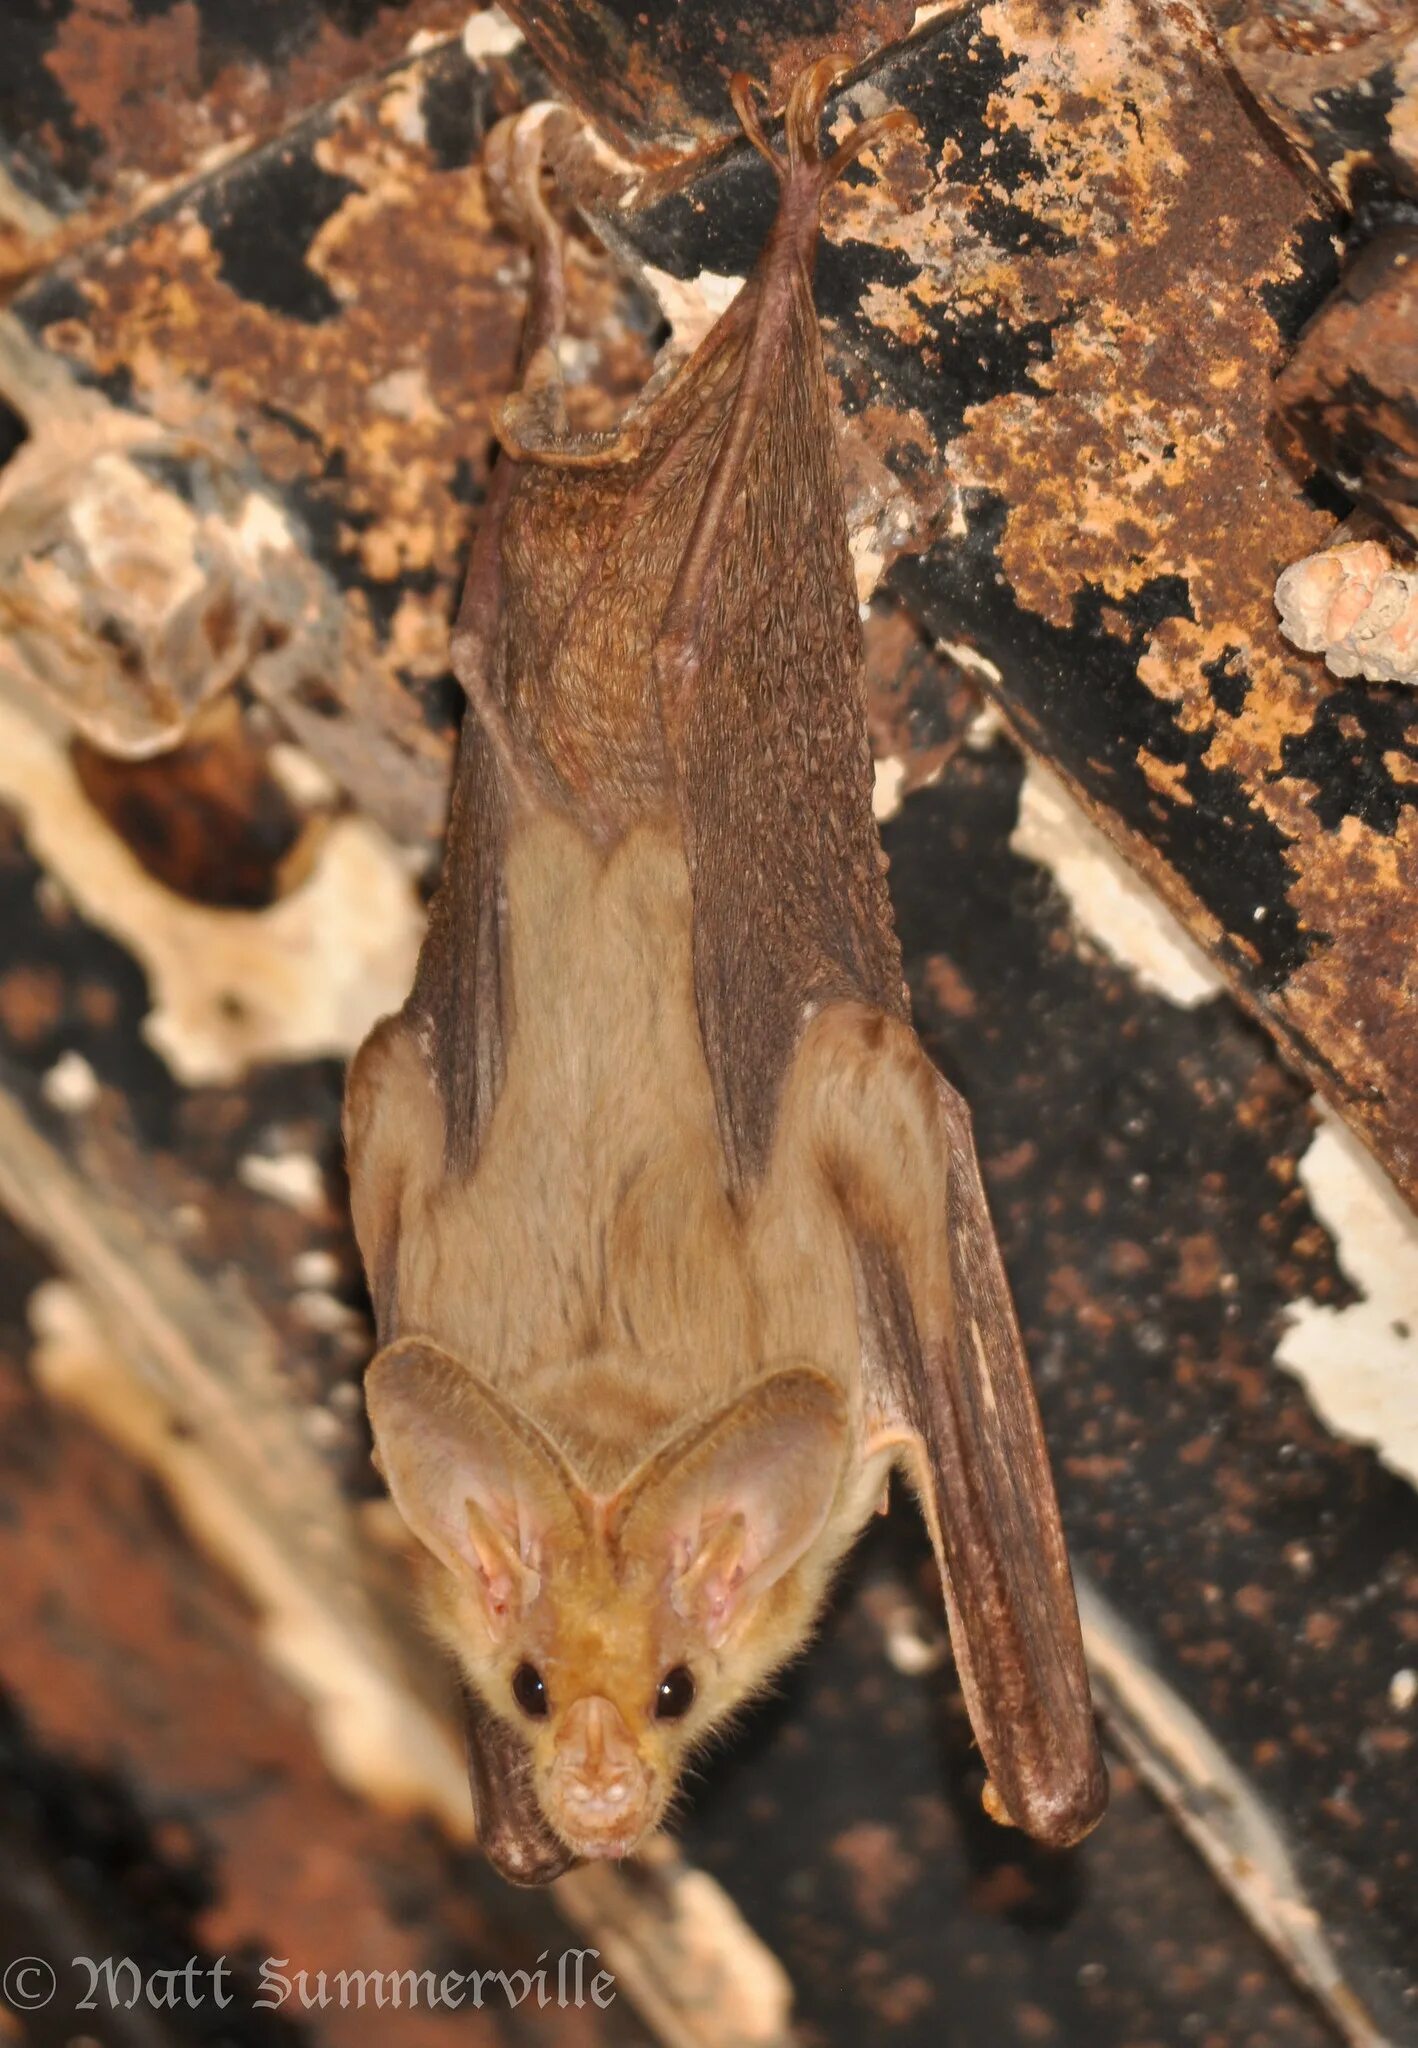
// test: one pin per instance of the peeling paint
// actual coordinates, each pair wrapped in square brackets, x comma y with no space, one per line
[1109,902]
[1359,1364]
[290,1177]
[868,562]
[691,305]
[489,33]
[970,659]
[889,775]
[305,978]
[71,1084]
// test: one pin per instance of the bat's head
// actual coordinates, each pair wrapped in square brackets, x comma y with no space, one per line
[613,1632]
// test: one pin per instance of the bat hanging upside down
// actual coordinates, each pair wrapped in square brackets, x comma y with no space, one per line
[676,1239]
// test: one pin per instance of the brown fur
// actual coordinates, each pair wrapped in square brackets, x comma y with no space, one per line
[676,1238]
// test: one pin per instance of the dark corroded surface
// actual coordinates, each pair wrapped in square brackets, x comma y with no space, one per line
[1142,1161]
[162,1796]
[912,1922]
[1340,79]
[337,374]
[102,102]
[655,77]
[1061,281]
[1350,394]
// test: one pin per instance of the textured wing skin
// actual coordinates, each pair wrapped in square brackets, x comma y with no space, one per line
[512,1832]
[769,745]
[947,1378]
[457,1008]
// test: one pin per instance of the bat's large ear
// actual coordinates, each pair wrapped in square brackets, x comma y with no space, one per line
[475,1479]
[732,1503]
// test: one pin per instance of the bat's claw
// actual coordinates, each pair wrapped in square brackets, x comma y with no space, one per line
[802,123]
[995,1806]
[514,153]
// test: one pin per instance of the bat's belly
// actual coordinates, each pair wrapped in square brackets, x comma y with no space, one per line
[594,1256]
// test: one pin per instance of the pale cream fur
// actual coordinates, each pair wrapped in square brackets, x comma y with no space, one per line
[593,1267]
[593,1272]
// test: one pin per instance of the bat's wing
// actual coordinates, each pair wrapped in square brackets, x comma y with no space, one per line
[760,671]
[798,983]
[948,1390]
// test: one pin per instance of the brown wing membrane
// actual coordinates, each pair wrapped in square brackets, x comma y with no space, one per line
[761,678]
[947,1378]
[512,1833]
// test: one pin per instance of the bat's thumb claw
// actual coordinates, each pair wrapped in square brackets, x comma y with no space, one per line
[995,1806]
[513,155]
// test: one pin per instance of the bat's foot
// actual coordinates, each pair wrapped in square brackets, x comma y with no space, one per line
[995,1806]
[514,156]
[802,125]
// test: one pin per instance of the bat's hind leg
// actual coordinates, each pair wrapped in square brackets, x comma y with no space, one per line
[802,127]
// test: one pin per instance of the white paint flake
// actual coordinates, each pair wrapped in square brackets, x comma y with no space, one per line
[305,978]
[1109,902]
[489,33]
[970,659]
[692,305]
[886,790]
[290,1177]
[1359,1364]
[71,1084]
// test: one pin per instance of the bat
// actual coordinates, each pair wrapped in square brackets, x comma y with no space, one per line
[676,1239]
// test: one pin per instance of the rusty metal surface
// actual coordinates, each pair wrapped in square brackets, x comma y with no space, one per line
[1144,1164]
[1349,395]
[1340,79]
[105,102]
[655,79]
[261,454]
[1073,292]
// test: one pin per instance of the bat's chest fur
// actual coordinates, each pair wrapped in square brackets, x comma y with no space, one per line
[594,1265]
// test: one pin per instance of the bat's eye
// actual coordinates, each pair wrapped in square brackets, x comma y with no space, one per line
[674,1695]
[529,1691]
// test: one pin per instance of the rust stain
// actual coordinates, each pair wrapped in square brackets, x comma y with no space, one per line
[159,100]
[879,1869]
[374,424]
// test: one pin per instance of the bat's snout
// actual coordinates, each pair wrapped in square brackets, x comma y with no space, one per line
[602,1790]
